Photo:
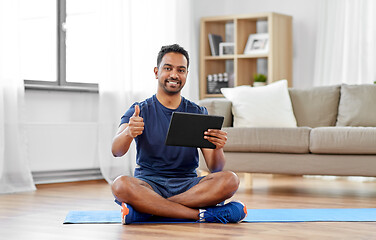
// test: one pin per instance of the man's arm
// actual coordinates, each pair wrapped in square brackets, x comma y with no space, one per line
[126,133]
[215,158]
[121,141]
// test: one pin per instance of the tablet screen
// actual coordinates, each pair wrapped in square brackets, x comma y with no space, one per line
[187,129]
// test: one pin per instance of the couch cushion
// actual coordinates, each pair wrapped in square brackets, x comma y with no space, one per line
[219,106]
[343,140]
[357,106]
[272,140]
[267,106]
[315,107]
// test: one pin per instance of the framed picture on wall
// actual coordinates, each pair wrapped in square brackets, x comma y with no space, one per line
[257,43]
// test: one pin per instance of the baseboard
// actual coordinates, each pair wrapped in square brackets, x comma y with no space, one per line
[44,177]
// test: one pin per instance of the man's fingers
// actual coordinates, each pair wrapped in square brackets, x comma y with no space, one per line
[216,133]
[138,128]
[136,123]
[135,131]
[136,111]
[135,119]
[219,143]
[217,137]
[136,115]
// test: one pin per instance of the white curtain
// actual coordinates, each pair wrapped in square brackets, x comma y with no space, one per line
[131,34]
[346,42]
[15,175]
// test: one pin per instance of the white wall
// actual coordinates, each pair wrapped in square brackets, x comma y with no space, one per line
[305,16]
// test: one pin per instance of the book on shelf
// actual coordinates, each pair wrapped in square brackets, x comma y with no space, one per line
[214,41]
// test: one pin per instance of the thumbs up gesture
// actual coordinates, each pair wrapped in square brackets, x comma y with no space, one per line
[136,123]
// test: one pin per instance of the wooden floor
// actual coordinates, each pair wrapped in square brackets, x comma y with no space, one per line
[40,214]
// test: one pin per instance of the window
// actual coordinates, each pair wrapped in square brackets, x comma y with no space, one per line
[58,51]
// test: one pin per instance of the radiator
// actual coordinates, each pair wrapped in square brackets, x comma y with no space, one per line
[62,148]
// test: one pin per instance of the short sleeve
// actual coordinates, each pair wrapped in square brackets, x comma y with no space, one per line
[128,114]
[204,110]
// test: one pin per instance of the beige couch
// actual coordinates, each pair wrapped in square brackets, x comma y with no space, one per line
[336,135]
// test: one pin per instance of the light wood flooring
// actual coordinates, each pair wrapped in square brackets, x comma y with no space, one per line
[40,214]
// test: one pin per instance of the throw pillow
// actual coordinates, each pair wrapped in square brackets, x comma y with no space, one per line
[267,106]
[315,107]
[357,106]
[218,106]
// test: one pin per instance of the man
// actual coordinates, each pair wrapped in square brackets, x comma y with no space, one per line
[165,182]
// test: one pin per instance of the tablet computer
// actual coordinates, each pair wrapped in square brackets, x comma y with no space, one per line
[187,129]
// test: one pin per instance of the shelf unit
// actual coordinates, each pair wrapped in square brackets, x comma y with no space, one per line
[278,58]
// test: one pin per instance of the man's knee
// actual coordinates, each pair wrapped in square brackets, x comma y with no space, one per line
[230,182]
[121,187]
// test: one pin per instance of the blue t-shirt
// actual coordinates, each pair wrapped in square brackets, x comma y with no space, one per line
[153,156]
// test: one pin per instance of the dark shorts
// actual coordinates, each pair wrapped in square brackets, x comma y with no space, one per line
[168,187]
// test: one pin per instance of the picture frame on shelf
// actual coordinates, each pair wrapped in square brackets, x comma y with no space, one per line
[257,43]
[226,48]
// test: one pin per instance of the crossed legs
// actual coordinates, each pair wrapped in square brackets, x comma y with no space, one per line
[212,189]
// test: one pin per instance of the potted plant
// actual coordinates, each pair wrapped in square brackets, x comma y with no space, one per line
[259,80]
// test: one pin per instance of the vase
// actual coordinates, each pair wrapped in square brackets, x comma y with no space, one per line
[259,84]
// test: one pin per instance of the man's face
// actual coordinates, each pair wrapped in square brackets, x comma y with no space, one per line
[172,72]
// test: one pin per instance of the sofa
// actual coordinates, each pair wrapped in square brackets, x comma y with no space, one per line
[335,134]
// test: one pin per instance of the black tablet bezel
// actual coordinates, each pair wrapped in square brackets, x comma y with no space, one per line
[187,129]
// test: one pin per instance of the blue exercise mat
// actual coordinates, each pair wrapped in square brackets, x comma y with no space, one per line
[254,215]
[312,215]
[112,217]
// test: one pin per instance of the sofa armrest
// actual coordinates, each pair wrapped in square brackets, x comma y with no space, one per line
[220,107]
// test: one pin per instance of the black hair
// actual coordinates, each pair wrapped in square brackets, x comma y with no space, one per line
[172,48]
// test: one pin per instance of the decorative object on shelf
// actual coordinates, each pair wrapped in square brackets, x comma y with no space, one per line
[216,82]
[226,48]
[230,32]
[257,43]
[214,41]
[259,80]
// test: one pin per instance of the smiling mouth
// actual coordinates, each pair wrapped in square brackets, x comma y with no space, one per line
[172,83]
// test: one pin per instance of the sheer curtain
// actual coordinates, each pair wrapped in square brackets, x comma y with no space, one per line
[346,42]
[131,34]
[15,175]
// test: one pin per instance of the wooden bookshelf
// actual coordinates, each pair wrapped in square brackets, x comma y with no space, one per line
[278,58]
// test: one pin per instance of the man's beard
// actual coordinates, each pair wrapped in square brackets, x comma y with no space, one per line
[168,84]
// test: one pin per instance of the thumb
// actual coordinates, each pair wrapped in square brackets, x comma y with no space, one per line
[136,111]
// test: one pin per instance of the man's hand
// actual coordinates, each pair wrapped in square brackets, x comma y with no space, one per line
[217,137]
[136,123]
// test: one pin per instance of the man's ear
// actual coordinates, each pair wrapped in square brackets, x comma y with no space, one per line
[156,72]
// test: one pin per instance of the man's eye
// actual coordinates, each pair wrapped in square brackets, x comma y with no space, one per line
[182,70]
[167,68]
